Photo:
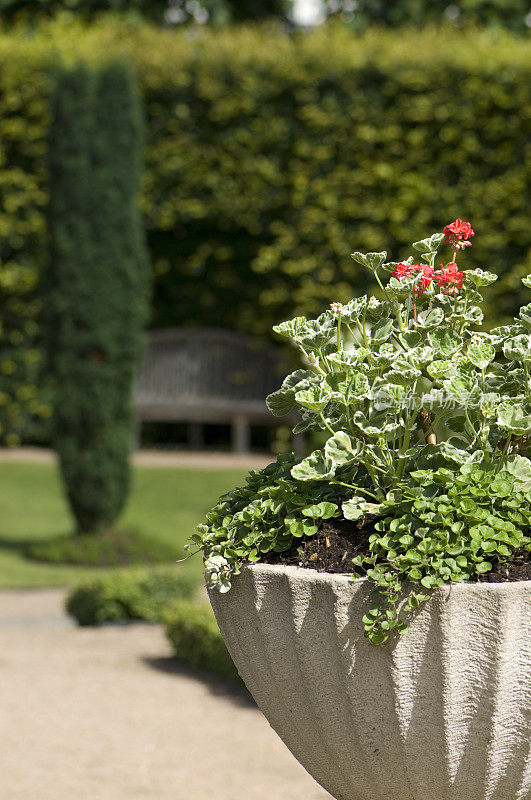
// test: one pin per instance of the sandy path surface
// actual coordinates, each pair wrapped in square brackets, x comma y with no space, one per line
[107,714]
[200,459]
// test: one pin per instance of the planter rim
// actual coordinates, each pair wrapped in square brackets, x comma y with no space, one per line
[343,579]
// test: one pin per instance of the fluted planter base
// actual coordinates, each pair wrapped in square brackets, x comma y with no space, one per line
[444,713]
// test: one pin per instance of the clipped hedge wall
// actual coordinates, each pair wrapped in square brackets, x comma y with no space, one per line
[193,631]
[269,158]
[501,13]
[24,91]
[129,594]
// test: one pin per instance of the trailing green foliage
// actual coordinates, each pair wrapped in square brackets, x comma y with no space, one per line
[452,527]
[407,392]
[193,631]
[129,594]
[95,286]
[266,154]
[264,516]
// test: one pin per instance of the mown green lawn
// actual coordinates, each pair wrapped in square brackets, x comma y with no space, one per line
[165,504]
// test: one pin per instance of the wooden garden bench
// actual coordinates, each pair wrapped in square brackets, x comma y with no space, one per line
[208,375]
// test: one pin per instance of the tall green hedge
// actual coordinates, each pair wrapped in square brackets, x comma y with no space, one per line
[24,89]
[269,158]
[274,158]
[95,287]
[511,14]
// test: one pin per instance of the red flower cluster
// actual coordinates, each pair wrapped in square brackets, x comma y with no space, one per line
[457,234]
[426,275]
[448,278]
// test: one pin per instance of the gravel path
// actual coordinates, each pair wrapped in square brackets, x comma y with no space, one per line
[199,459]
[107,714]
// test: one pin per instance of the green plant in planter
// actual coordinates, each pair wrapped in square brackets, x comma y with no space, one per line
[451,530]
[427,420]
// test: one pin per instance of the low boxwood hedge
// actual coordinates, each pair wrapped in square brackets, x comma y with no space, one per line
[155,594]
[193,631]
[129,594]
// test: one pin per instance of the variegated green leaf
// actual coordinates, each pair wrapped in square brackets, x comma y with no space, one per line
[429,245]
[315,398]
[313,468]
[481,353]
[430,318]
[439,369]
[292,328]
[480,277]
[373,261]
[444,341]
[280,402]
[382,330]
[512,417]
[340,449]
[518,348]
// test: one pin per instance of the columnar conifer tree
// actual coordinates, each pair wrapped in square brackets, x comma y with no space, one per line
[96,284]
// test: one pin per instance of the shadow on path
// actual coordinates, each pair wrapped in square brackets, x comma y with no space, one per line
[235,693]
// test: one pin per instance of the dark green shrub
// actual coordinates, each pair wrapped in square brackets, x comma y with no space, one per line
[95,287]
[110,548]
[193,631]
[129,594]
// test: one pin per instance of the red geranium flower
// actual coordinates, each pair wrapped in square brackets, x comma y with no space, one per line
[425,272]
[457,233]
[404,270]
[426,279]
[449,278]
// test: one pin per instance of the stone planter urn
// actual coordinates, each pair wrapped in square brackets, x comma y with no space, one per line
[443,713]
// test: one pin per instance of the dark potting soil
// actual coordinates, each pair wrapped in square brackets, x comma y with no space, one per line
[338,541]
[517,569]
[331,549]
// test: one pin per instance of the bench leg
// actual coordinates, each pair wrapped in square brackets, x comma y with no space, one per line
[196,439]
[241,434]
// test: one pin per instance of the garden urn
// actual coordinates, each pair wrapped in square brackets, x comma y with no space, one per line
[441,713]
